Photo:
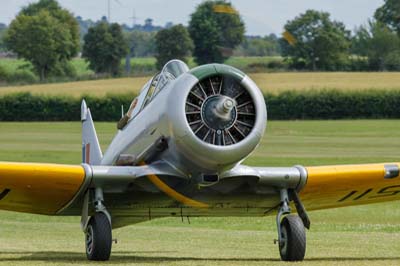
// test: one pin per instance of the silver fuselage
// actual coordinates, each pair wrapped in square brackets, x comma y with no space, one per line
[190,158]
[164,116]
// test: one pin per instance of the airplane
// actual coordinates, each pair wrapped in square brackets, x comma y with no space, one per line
[178,152]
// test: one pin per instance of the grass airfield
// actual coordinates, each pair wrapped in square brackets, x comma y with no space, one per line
[366,235]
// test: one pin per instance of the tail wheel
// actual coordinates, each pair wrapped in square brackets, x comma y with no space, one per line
[293,235]
[98,238]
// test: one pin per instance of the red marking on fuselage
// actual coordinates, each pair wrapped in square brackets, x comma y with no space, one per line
[87,155]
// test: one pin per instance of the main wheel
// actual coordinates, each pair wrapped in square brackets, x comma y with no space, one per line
[98,238]
[293,235]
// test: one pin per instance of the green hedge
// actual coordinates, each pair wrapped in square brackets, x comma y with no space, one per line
[333,104]
[28,107]
[327,104]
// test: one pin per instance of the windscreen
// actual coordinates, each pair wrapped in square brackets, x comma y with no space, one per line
[172,70]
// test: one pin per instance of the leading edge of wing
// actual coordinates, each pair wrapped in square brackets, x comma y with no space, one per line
[38,187]
[51,188]
[322,187]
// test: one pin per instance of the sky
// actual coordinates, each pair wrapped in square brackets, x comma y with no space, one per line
[261,17]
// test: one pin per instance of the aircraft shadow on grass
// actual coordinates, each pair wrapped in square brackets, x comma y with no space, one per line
[124,256]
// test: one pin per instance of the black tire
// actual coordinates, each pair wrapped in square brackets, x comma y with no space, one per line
[293,235]
[98,238]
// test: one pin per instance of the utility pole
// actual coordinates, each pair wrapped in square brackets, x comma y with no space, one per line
[134,18]
[109,11]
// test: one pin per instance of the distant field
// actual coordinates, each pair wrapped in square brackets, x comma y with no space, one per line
[367,235]
[268,82]
[81,66]
[11,65]
[276,82]
[78,88]
[143,65]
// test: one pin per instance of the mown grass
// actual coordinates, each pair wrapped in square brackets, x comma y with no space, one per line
[366,235]
[267,82]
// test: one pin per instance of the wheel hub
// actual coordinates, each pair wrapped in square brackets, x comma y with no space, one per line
[284,240]
[89,239]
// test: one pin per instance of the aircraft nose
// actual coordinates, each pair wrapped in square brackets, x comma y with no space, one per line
[219,112]
[227,105]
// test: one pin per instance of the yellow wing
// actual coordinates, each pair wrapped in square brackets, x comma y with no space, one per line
[346,185]
[38,188]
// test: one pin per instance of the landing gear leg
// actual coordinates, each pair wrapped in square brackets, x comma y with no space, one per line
[98,235]
[291,230]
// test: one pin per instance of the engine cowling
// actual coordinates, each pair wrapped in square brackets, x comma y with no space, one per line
[218,116]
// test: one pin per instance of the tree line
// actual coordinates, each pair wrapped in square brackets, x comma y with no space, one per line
[314,41]
[47,35]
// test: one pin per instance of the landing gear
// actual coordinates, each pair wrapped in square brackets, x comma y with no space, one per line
[97,229]
[291,228]
[98,238]
[293,239]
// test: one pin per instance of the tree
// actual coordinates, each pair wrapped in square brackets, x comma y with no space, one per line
[317,42]
[3,29]
[104,48]
[259,46]
[173,43]
[141,43]
[389,14]
[359,41]
[46,35]
[379,44]
[216,29]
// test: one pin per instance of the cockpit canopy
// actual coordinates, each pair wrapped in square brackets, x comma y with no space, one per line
[171,70]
